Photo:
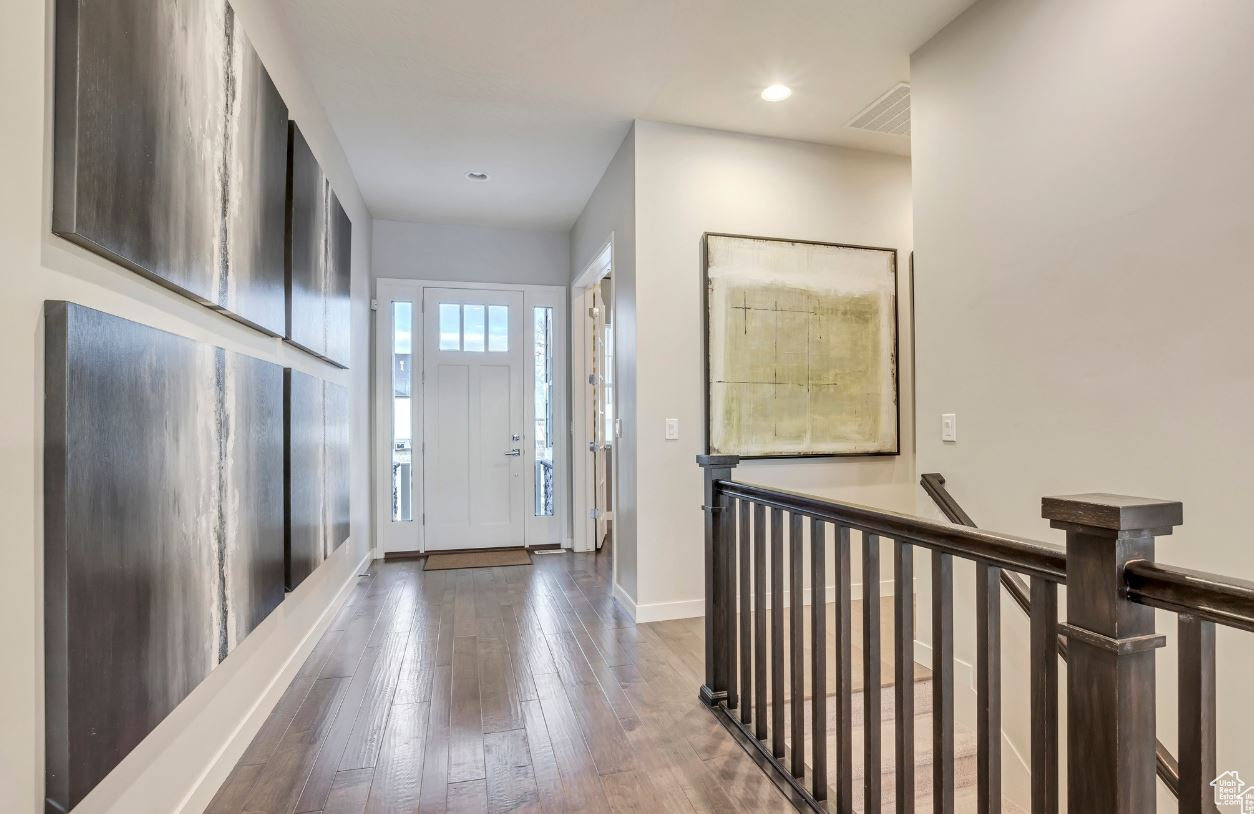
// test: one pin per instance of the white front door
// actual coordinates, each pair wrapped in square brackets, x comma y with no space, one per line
[473,418]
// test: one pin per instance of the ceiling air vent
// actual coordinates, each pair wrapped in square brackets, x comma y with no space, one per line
[888,114]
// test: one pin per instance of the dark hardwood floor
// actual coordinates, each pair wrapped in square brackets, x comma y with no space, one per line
[495,689]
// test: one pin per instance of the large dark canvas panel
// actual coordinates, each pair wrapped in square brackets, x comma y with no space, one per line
[317,416]
[163,528]
[171,150]
[319,258]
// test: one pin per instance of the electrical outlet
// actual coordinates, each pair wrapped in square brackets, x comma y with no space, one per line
[672,429]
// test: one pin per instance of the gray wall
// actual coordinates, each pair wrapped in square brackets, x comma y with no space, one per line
[611,213]
[470,254]
[689,181]
[1084,225]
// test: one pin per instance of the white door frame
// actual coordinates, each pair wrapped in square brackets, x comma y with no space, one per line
[408,537]
[583,536]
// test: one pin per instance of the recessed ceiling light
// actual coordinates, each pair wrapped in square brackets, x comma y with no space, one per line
[477,176]
[777,93]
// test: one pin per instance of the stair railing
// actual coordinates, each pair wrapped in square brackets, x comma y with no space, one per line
[933,483]
[753,658]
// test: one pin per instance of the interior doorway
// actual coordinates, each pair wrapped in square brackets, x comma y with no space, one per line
[601,317]
[470,420]
[596,424]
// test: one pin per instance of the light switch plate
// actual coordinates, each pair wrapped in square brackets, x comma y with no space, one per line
[672,429]
[949,427]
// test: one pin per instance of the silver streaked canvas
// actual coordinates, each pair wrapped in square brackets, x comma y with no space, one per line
[163,528]
[319,258]
[171,150]
[317,430]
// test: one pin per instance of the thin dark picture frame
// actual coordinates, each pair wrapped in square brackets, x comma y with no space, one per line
[705,346]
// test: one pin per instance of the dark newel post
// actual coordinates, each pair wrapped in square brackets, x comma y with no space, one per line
[717,571]
[1111,643]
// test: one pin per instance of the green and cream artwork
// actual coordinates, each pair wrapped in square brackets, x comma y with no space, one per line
[801,342]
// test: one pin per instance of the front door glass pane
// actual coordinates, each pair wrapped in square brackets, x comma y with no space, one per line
[450,326]
[473,333]
[498,328]
[543,365]
[402,393]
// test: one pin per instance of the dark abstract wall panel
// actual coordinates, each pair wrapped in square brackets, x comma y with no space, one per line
[170,150]
[319,258]
[163,528]
[316,420]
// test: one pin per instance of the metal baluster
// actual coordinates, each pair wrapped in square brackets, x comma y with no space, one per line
[871,671]
[728,539]
[1043,669]
[777,633]
[818,661]
[759,620]
[1197,715]
[942,683]
[796,644]
[844,678]
[746,616]
[903,691]
[988,687]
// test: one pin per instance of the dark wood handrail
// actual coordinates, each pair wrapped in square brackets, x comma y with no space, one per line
[1155,588]
[1225,601]
[934,484]
[1001,550]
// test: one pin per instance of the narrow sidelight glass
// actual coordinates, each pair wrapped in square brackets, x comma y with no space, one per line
[402,426]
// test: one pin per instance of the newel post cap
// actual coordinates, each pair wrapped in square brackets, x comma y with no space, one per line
[718,461]
[1100,512]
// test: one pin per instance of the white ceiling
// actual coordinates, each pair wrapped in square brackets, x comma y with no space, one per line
[539,93]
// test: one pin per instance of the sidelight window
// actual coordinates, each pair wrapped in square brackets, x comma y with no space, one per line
[402,426]
[542,343]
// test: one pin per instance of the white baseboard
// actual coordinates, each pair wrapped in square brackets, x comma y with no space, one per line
[225,759]
[626,601]
[666,611]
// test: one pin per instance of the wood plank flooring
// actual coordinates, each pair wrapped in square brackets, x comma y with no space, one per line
[495,689]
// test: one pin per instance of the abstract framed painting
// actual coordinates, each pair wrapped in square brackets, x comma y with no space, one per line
[316,440]
[800,348]
[318,259]
[170,151]
[163,528]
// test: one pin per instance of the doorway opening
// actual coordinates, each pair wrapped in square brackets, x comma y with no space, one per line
[596,424]
[470,415]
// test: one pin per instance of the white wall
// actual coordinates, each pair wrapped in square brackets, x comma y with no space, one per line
[180,764]
[611,214]
[1084,223]
[690,181]
[471,254]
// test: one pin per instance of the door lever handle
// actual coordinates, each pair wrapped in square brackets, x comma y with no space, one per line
[513,453]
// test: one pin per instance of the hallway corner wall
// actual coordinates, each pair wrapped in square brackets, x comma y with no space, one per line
[690,181]
[611,212]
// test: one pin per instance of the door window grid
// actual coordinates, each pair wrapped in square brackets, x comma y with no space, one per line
[474,328]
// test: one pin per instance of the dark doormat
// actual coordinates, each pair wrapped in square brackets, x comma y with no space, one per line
[477,559]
